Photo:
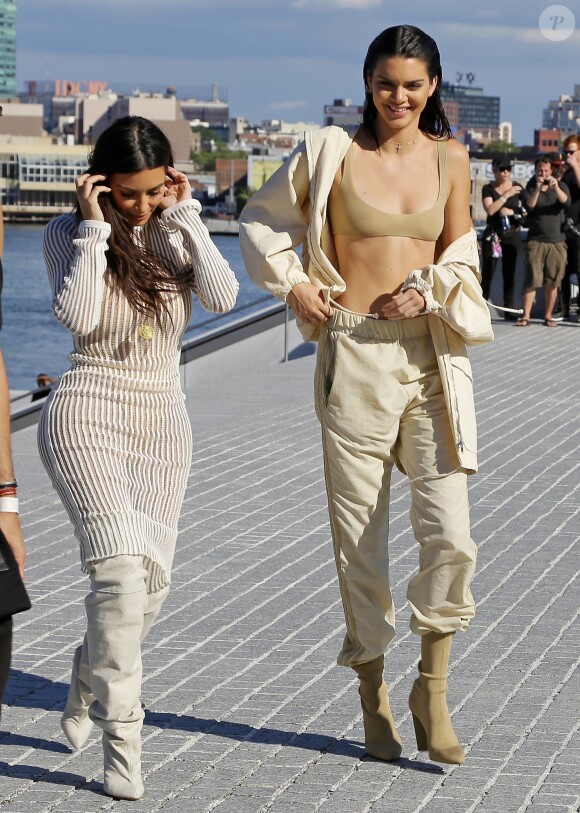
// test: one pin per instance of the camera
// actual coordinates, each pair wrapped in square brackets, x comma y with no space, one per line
[569,227]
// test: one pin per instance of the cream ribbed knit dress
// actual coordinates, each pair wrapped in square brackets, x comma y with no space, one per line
[114,436]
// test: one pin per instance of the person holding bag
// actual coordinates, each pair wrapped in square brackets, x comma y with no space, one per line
[388,285]
[503,206]
[13,596]
[114,436]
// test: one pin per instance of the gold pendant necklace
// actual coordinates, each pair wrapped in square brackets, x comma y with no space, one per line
[146,331]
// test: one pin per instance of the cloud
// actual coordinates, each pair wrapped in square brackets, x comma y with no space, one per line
[359,5]
[493,33]
[288,104]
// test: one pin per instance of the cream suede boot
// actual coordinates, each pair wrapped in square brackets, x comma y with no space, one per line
[382,740]
[115,610]
[75,720]
[428,702]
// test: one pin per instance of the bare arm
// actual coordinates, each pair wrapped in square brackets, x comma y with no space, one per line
[457,218]
[9,520]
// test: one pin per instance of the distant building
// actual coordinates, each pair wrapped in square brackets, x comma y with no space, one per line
[231,173]
[62,97]
[563,114]
[163,110]
[505,132]
[21,119]
[213,112]
[260,168]
[469,108]
[343,113]
[7,49]
[547,140]
[37,178]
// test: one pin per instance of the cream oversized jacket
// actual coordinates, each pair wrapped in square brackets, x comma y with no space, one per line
[290,211]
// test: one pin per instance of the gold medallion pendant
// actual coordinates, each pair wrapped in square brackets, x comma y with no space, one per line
[146,332]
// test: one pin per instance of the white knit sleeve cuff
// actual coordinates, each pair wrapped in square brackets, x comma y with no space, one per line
[190,203]
[95,224]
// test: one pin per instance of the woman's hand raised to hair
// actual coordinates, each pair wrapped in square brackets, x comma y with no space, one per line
[177,188]
[89,187]
[308,303]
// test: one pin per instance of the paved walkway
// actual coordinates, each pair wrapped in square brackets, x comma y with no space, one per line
[246,710]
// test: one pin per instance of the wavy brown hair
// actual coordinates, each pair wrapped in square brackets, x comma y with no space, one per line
[409,42]
[132,144]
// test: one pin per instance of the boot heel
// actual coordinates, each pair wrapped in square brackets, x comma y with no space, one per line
[420,734]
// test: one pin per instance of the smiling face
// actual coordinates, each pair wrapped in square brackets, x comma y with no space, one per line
[136,195]
[400,88]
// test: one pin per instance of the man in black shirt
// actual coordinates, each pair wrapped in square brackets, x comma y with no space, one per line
[569,173]
[545,199]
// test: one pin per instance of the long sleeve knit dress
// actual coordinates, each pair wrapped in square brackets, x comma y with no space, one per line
[114,436]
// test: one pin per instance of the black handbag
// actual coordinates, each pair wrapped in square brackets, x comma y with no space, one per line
[13,595]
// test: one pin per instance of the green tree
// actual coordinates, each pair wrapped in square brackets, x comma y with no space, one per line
[206,160]
[501,146]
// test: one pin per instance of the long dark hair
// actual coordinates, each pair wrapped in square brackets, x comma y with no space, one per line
[132,144]
[411,43]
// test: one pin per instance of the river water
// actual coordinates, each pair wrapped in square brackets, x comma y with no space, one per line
[34,342]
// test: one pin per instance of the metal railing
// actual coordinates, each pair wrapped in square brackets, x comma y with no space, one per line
[207,342]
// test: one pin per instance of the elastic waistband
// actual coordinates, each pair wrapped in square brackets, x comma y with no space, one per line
[368,326]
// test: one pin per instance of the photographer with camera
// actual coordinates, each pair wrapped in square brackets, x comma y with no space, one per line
[569,173]
[503,206]
[546,200]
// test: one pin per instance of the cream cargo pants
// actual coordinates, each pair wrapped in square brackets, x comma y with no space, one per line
[380,401]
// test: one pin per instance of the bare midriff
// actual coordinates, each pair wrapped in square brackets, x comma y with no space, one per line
[375,268]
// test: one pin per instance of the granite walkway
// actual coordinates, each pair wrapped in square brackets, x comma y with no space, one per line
[246,710]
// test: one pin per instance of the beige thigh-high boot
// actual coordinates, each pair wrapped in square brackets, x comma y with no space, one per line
[382,739]
[428,702]
[115,610]
[75,720]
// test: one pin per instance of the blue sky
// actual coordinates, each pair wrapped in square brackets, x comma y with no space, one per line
[287,58]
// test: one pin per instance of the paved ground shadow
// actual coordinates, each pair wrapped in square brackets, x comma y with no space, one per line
[275,736]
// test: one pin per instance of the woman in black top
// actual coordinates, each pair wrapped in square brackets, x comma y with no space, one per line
[503,207]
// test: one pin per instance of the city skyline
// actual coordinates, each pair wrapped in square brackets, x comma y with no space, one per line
[288,59]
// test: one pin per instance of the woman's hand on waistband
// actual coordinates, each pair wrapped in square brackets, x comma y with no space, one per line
[406,305]
[308,303]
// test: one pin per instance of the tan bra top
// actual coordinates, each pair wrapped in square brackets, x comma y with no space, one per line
[352,216]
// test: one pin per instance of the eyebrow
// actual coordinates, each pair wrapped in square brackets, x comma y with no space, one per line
[408,82]
[130,188]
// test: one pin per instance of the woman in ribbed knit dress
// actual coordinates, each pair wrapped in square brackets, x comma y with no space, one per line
[114,436]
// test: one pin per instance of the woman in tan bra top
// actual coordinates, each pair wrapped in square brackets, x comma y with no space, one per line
[388,284]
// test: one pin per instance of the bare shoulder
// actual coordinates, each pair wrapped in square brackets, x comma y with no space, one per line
[456,151]
[457,157]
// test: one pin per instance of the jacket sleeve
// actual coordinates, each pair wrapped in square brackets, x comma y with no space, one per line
[75,259]
[274,223]
[215,283]
[452,291]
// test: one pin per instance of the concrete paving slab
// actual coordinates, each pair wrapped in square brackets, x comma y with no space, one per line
[246,710]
